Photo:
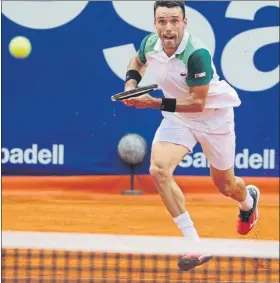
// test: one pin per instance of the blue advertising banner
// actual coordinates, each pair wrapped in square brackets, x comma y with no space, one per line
[57,115]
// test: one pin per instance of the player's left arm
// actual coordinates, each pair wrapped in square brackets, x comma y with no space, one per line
[200,73]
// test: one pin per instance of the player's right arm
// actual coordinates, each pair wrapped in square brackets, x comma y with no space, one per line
[137,67]
[135,71]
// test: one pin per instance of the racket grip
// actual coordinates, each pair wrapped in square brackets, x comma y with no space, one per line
[128,96]
[134,92]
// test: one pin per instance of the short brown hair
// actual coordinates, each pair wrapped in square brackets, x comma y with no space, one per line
[170,4]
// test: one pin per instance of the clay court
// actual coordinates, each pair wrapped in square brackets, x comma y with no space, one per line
[89,212]
[52,204]
[54,207]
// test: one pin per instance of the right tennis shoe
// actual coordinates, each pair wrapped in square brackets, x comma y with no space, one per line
[248,219]
[190,261]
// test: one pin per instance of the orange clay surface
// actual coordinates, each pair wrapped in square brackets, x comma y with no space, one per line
[87,212]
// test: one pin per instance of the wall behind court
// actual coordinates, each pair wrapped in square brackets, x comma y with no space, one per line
[57,116]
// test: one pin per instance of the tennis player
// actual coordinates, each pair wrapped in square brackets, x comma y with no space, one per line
[197,108]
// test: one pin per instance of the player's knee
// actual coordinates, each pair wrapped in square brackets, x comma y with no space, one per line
[225,187]
[159,173]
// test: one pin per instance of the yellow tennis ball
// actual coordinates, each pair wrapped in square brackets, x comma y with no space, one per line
[20,47]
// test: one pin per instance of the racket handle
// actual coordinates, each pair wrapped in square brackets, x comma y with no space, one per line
[134,92]
[128,96]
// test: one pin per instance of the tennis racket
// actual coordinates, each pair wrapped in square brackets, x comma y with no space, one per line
[134,92]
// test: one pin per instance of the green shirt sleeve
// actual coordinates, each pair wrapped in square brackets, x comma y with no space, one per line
[141,51]
[200,70]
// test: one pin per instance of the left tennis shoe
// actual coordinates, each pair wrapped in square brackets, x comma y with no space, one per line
[190,261]
[248,219]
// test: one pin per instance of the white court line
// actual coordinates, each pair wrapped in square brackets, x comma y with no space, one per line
[138,280]
[139,244]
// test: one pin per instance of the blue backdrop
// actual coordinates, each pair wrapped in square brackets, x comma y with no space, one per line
[57,116]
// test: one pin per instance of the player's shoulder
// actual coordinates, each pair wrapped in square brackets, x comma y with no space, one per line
[147,46]
[196,43]
[149,42]
[193,48]
[151,36]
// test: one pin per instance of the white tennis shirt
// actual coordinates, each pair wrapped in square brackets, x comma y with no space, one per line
[191,65]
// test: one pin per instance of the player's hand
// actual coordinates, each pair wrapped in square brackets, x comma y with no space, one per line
[143,101]
[128,88]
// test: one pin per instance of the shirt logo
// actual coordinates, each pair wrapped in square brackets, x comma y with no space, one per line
[200,75]
[183,74]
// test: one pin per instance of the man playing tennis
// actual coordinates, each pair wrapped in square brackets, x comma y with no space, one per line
[197,108]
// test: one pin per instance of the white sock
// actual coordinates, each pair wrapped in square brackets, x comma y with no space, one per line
[185,224]
[247,204]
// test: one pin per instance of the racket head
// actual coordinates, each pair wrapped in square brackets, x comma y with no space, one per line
[134,92]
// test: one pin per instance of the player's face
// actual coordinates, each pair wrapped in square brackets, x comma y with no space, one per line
[170,25]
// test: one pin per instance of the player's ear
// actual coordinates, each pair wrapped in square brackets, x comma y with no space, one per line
[185,22]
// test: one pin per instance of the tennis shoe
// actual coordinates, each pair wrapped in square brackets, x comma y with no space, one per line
[190,261]
[248,219]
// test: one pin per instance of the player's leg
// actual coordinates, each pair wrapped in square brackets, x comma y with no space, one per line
[220,150]
[246,196]
[165,157]
[172,142]
[228,184]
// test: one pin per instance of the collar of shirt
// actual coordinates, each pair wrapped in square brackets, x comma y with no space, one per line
[182,46]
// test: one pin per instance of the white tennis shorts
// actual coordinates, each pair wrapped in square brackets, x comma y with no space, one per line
[215,134]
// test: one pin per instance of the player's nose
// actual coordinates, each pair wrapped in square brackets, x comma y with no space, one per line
[168,27]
